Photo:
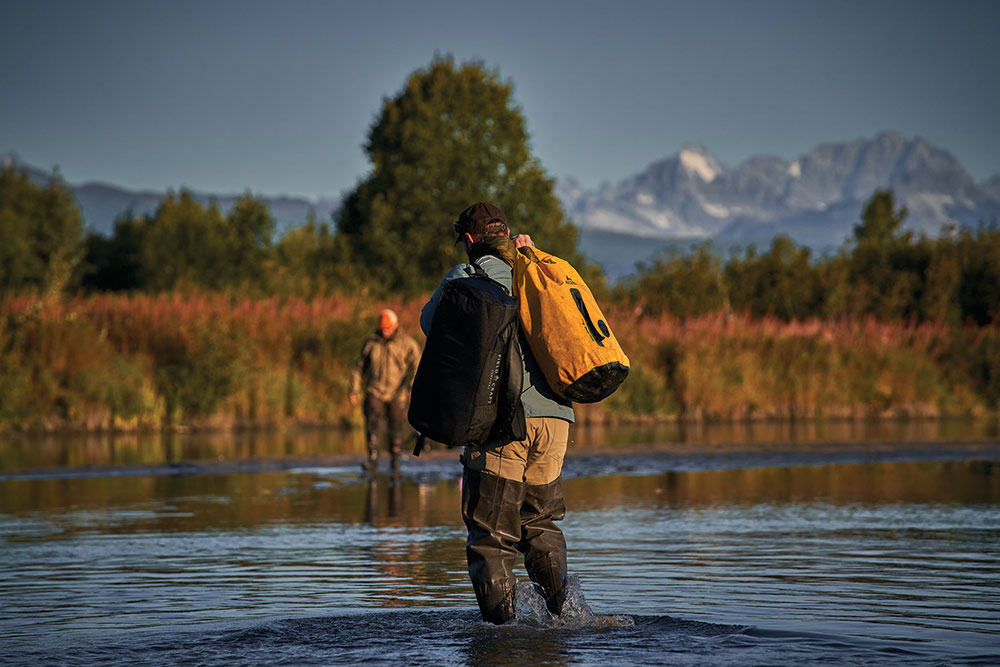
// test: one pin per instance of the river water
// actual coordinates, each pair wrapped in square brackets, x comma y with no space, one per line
[878,547]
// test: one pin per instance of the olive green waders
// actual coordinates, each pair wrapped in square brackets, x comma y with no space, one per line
[505,516]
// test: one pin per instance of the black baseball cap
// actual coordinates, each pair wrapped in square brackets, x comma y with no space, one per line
[481,219]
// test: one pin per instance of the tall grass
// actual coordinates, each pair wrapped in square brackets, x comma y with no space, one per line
[223,361]
[209,360]
[725,366]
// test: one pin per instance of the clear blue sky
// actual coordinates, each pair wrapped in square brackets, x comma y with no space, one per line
[277,97]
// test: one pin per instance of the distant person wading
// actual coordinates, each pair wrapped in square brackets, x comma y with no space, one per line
[386,366]
[512,491]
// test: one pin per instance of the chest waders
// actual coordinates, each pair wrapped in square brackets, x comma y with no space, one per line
[505,517]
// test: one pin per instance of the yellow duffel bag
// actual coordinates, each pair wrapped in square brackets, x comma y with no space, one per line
[565,328]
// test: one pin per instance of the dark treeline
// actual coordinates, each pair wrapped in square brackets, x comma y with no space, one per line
[883,271]
[183,246]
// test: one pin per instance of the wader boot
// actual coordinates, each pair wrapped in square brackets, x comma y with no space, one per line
[491,509]
[372,442]
[542,543]
[371,464]
[397,431]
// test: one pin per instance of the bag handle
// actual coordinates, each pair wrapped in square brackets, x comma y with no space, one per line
[582,307]
[529,252]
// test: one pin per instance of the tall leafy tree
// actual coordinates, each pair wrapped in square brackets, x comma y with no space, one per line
[781,282]
[184,245]
[880,221]
[41,232]
[251,232]
[979,284]
[685,285]
[941,278]
[112,263]
[881,279]
[452,136]
[311,259]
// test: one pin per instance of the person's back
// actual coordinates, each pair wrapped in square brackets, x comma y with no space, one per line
[512,491]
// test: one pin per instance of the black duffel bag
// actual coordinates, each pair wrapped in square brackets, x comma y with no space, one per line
[467,389]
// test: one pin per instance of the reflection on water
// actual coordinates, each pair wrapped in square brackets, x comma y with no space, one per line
[890,562]
[26,453]
[784,432]
[23,452]
[342,495]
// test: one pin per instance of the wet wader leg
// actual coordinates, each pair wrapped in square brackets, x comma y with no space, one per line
[373,410]
[542,543]
[397,429]
[491,509]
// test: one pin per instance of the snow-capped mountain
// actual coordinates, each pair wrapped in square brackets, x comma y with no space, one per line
[815,199]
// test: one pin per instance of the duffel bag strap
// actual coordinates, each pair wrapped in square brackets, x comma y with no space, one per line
[419,447]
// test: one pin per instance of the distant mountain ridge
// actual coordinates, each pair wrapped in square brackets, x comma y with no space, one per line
[815,199]
[101,203]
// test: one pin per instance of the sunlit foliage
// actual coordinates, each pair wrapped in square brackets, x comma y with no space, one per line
[41,233]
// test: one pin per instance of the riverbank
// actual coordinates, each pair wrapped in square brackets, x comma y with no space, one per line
[221,362]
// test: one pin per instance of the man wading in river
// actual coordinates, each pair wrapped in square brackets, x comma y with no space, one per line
[512,492]
[386,364]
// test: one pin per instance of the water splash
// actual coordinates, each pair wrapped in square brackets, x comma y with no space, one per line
[529,606]
[530,609]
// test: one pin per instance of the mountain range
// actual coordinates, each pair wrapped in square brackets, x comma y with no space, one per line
[816,199]
[692,197]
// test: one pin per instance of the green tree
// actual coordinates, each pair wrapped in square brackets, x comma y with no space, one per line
[833,276]
[251,231]
[185,245]
[112,264]
[311,259]
[684,285]
[782,282]
[979,284]
[884,281]
[880,221]
[41,233]
[942,273]
[451,137]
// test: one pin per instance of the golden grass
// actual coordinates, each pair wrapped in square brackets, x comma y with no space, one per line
[225,361]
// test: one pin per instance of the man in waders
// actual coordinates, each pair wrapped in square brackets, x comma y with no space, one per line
[512,492]
[387,364]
